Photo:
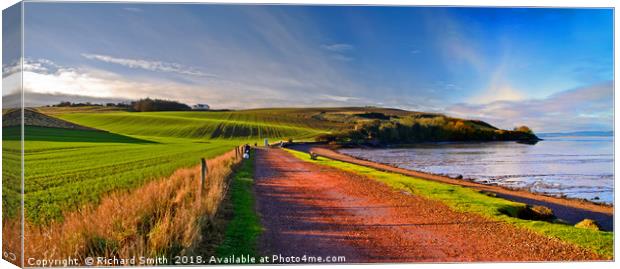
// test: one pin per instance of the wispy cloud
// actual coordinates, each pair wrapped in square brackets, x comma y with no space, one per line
[158,66]
[339,51]
[339,98]
[132,9]
[43,78]
[581,109]
[48,83]
[455,43]
[338,47]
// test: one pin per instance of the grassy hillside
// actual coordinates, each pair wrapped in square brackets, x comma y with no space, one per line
[206,125]
[346,124]
[65,168]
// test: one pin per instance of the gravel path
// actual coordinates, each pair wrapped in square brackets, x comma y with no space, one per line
[308,209]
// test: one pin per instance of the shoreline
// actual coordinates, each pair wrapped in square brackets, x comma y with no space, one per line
[568,209]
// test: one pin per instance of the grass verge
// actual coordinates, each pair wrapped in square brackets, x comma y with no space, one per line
[244,228]
[464,199]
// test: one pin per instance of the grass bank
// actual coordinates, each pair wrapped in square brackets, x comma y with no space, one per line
[464,199]
[244,228]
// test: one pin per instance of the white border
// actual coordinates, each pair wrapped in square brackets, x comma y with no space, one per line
[495,3]
[506,3]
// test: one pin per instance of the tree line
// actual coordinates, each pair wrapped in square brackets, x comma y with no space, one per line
[413,129]
[141,105]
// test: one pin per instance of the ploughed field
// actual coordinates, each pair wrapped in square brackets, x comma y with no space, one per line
[67,168]
[250,124]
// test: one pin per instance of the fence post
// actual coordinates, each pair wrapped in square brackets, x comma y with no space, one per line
[203,174]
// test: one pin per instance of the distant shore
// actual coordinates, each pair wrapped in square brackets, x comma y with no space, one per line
[568,209]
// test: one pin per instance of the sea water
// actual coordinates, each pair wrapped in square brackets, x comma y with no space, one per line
[571,166]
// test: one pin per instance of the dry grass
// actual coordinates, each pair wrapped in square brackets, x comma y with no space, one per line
[11,240]
[163,217]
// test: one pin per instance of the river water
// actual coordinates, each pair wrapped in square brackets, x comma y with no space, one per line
[574,166]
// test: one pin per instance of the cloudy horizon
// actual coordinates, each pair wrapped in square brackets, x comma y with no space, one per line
[550,69]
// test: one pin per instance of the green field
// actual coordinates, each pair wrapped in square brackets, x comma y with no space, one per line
[61,175]
[66,169]
[11,167]
[252,124]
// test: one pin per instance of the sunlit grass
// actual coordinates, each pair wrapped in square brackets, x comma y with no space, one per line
[244,228]
[202,125]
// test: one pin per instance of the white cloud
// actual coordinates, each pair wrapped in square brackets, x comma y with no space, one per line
[132,9]
[11,68]
[338,51]
[149,65]
[500,91]
[47,83]
[581,109]
[339,98]
[338,47]
[45,78]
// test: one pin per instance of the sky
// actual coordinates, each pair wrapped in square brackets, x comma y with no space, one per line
[550,69]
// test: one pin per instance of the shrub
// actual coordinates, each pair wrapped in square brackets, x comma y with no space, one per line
[588,224]
[523,129]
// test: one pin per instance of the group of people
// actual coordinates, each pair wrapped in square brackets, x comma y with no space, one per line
[247,147]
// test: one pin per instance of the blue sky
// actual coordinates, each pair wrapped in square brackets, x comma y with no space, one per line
[551,69]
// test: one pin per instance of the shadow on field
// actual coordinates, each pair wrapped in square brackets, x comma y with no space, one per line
[34,133]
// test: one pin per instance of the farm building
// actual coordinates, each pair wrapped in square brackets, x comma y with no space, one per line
[200,107]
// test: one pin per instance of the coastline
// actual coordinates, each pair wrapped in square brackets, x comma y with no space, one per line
[567,209]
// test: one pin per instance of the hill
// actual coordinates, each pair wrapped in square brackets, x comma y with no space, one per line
[33,118]
[358,125]
[387,126]
[205,125]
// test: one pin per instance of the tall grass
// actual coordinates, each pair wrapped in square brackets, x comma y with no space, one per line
[163,217]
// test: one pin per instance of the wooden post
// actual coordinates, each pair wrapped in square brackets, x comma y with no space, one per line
[203,174]
[236,153]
